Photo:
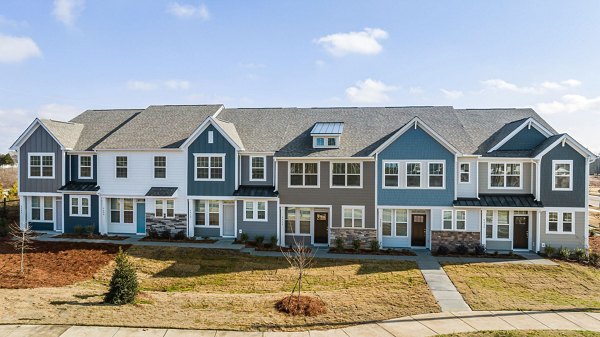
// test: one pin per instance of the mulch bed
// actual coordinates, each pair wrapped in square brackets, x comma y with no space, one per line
[186,240]
[266,247]
[595,243]
[53,264]
[309,306]
[90,236]
[484,256]
[394,252]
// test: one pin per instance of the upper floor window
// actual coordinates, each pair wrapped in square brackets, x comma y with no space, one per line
[390,173]
[325,142]
[41,165]
[505,175]
[85,167]
[164,208]
[346,175]
[41,209]
[562,175]
[304,174]
[413,174]
[80,205]
[257,168]
[255,210]
[121,165]
[560,223]
[465,172]
[436,175]
[210,167]
[160,167]
[353,216]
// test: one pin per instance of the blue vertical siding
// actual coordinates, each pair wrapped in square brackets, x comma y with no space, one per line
[72,173]
[72,221]
[419,145]
[219,145]
[40,141]
[526,139]
[575,198]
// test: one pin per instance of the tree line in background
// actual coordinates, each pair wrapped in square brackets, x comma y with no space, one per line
[595,167]
[6,160]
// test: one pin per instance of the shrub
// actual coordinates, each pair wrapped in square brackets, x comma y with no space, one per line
[479,249]
[180,235]
[580,255]
[462,249]
[443,250]
[594,259]
[259,240]
[273,241]
[340,244]
[375,245]
[78,229]
[564,253]
[123,285]
[244,237]
[153,233]
[89,230]
[356,244]
[166,234]
[3,228]
[550,251]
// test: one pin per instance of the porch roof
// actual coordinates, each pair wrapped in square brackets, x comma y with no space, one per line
[78,186]
[500,200]
[256,191]
[161,191]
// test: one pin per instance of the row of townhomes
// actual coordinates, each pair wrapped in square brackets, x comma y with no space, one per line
[405,176]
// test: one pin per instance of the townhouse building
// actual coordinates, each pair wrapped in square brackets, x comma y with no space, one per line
[402,176]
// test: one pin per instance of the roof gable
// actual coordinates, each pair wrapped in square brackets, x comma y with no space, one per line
[226,129]
[65,134]
[563,139]
[523,135]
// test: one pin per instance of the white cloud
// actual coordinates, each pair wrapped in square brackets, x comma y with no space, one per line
[59,112]
[188,11]
[67,11]
[177,84]
[544,87]
[370,91]
[569,104]
[16,49]
[364,42]
[153,85]
[452,94]
[141,85]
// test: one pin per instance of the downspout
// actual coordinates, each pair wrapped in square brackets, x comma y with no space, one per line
[537,232]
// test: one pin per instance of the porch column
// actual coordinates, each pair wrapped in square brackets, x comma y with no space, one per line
[22,212]
[191,219]
[102,216]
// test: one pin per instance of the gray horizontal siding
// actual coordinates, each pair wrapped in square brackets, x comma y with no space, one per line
[525,182]
[492,245]
[575,198]
[570,241]
[245,173]
[290,241]
[202,232]
[40,141]
[257,228]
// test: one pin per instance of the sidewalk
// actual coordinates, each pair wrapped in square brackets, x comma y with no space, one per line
[419,325]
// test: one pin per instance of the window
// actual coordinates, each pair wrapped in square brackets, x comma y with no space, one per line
[497,225]
[454,220]
[562,176]
[386,222]
[121,211]
[210,167]
[345,174]
[297,221]
[331,142]
[390,174]
[489,224]
[121,165]
[41,165]
[42,209]
[207,212]
[503,228]
[257,168]
[461,220]
[304,174]
[353,216]
[211,137]
[505,175]
[80,206]
[85,167]
[255,210]
[320,141]
[465,172]
[164,208]
[160,167]
[560,223]
[447,224]
[325,142]
[413,174]
[436,175]
[394,222]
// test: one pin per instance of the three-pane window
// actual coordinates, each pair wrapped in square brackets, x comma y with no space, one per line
[41,165]
[345,175]
[160,167]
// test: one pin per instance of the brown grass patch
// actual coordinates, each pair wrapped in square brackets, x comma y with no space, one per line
[306,306]
[53,264]
[526,333]
[595,243]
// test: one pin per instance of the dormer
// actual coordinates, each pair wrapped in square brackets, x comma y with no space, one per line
[327,135]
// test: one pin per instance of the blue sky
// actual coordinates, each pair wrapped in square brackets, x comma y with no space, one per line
[58,58]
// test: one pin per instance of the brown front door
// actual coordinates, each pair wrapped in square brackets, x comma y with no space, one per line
[321,227]
[418,230]
[521,232]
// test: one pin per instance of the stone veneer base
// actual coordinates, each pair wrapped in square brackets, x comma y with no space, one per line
[365,235]
[176,224]
[453,239]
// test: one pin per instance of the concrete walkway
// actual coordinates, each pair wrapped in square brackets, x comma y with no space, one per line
[419,325]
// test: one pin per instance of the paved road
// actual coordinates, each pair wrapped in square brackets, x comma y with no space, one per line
[420,325]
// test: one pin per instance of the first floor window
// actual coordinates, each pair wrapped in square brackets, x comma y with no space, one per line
[121,211]
[560,223]
[447,220]
[164,208]
[390,173]
[210,167]
[489,224]
[394,222]
[207,212]
[353,217]
[160,167]
[563,178]
[454,220]
[304,174]
[80,205]
[465,172]
[257,168]
[461,220]
[121,165]
[345,174]
[413,174]
[255,211]
[297,221]
[85,167]
[42,209]
[436,175]
[386,222]
[503,231]
[497,225]
[41,165]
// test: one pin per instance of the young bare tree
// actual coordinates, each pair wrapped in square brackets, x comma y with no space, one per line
[22,240]
[300,258]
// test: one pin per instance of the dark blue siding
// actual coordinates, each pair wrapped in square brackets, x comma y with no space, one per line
[42,226]
[40,141]
[73,169]
[416,144]
[575,198]
[219,145]
[526,139]
[72,221]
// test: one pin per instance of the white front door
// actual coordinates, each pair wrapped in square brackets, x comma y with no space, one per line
[228,220]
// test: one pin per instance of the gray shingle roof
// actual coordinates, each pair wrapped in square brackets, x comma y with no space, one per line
[158,127]
[99,124]
[66,133]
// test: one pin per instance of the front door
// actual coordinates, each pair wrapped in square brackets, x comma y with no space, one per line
[521,232]
[321,227]
[228,220]
[418,230]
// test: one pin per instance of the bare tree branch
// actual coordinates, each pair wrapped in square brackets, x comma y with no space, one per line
[299,258]
[22,241]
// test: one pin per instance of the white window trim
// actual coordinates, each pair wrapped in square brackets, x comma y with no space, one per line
[454,220]
[326,142]
[406,175]
[393,222]
[154,167]
[495,225]
[560,222]
[383,174]
[460,172]
[353,207]
[209,155]
[122,211]
[117,167]
[443,175]
[345,174]
[91,176]
[255,211]
[164,208]
[207,213]
[42,208]
[297,221]
[41,154]
[211,137]
[505,175]
[554,163]
[250,167]
[289,173]
[79,199]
